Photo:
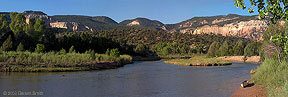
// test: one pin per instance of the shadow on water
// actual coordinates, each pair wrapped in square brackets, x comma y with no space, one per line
[151,78]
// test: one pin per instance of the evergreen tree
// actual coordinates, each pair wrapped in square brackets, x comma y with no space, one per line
[3,23]
[39,48]
[72,50]
[62,51]
[39,28]
[17,23]
[7,45]
[92,55]
[107,52]
[20,47]
[212,49]
[238,49]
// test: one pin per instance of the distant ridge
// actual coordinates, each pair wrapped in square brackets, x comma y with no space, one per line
[226,25]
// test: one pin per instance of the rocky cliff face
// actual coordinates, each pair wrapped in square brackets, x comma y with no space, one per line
[50,23]
[70,26]
[230,25]
[37,14]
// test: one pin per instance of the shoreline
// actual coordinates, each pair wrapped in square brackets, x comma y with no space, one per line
[199,61]
[45,68]
[252,91]
[240,59]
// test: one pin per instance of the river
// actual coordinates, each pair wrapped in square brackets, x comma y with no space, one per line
[141,79]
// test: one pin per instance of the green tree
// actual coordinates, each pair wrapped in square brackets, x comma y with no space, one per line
[62,51]
[7,45]
[224,49]
[252,49]
[92,55]
[20,47]
[140,49]
[17,23]
[115,52]
[107,52]
[212,49]
[39,48]
[3,23]
[72,50]
[39,28]
[238,49]
[29,28]
[277,8]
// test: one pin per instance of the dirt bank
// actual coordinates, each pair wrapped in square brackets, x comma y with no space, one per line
[252,91]
[252,59]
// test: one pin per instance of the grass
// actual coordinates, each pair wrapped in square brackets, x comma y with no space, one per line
[52,61]
[171,56]
[199,61]
[273,75]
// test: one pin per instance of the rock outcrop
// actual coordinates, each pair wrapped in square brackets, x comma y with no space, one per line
[230,25]
[248,29]
[37,14]
[70,26]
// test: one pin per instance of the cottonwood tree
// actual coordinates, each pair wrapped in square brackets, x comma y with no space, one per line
[212,49]
[277,8]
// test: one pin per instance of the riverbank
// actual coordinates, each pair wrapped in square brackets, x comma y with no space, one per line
[199,61]
[241,59]
[55,62]
[252,91]
[149,58]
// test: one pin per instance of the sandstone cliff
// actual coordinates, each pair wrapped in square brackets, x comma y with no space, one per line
[70,26]
[226,25]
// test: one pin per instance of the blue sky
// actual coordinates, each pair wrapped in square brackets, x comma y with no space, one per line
[166,11]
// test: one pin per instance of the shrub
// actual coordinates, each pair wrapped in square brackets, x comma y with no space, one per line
[8,44]
[107,52]
[39,48]
[62,51]
[20,47]
[72,50]
[115,52]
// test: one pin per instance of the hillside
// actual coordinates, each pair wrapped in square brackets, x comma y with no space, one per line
[95,23]
[143,22]
[226,25]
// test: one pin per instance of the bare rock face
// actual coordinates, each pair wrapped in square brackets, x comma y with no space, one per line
[229,25]
[70,26]
[249,29]
[37,14]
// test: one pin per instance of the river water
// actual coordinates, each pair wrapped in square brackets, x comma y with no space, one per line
[141,79]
